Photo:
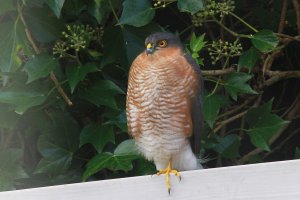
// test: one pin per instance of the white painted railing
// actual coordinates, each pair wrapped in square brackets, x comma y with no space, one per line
[266,181]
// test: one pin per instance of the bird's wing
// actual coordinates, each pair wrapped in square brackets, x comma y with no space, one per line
[197,115]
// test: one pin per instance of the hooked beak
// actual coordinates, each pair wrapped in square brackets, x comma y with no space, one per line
[149,48]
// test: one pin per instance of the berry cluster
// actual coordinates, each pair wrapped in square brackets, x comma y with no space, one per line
[212,9]
[223,49]
[76,37]
[158,3]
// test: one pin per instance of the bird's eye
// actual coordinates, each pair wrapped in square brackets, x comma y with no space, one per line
[162,43]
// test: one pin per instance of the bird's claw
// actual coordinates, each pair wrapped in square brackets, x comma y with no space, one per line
[167,172]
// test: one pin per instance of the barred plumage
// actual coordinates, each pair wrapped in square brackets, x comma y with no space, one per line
[162,89]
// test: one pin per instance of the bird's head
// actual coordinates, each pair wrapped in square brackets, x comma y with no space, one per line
[161,40]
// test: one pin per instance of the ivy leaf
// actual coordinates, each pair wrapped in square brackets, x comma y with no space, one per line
[263,125]
[122,45]
[98,135]
[197,43]
[120,160]
[136,13]
[99,9]
[248,59]
[75,74]
[120,121]
[40,66]
[13,41]
[113,46]
[7,6]
[23,100]
[58,144]
[191,6]
[144,167]
[109,161]
[102,92]
[211,109]
[44,26]
[8,118]
[265,40]
[228,146]
[127,147]
[236,83]
[56,6]
[10,168]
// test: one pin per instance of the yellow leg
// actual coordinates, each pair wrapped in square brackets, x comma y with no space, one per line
[167,172]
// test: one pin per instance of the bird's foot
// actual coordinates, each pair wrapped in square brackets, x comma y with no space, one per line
[167,172]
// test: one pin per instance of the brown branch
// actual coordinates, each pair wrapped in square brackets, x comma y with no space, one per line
[297,99]
[238,108]
[269,60]
[227,121]
[282,16]
[279,75]
[285,39]
[218,72]
[297,10]
[37,51]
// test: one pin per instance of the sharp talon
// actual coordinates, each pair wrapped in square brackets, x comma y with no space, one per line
[168,171]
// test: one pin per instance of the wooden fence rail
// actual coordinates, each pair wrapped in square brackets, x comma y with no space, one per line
[266,181]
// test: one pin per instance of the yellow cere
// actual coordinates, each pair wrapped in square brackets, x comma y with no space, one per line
[149,46]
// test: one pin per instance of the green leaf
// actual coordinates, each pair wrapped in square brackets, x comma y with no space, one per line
[211,109]
[8,118]
[98,135]
[99,9]
[56,6]
[13,41]
[127,147]
[7,6]
[136,13]
[197,43]
[144,167]
[114,48]
[236,83]
[109,161]
[120,160]
[228,146]
[40,66]
[265,40]
[58,144]
[75,74]
[44,26]
[102,93]
[191,6]
[120,121]
[23,100]
[263,125]
[10,168]
[248,59]
[122,45]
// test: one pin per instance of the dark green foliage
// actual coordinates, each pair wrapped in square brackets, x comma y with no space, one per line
[248,59]
[191,6]
[237,83]
[265,40]
[136,13]
[263,125]
[63,77]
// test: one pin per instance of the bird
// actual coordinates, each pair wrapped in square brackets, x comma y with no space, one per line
[164,105]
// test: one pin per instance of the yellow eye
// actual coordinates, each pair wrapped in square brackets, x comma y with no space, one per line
[162,43]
